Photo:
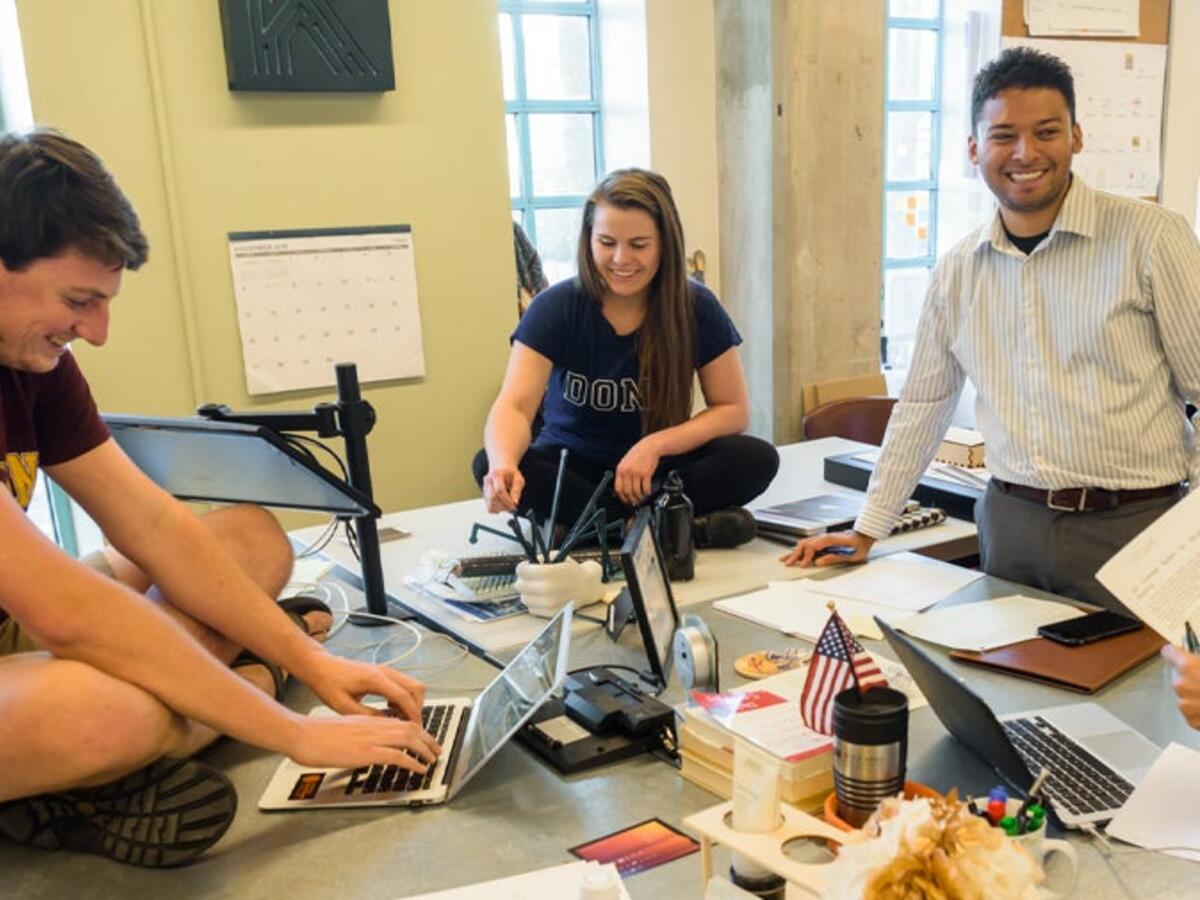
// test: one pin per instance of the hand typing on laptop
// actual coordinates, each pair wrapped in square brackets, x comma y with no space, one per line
[1186,681]
[832,549]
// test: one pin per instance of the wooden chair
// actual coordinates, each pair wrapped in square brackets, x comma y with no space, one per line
[857,418]
[822,392]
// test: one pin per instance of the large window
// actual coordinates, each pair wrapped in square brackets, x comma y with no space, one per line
[912,137]
[552,96]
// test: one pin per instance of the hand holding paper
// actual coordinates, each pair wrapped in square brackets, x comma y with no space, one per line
[1186,681]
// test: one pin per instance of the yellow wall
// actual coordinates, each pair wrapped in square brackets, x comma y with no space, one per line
[143,83]
[681,73]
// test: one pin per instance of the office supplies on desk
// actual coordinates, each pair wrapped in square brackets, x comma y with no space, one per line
[987,625]
[1156,573]
[470,732]
[1163,809]
[1085,669]
[1094,758]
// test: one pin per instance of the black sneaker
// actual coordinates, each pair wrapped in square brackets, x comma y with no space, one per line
[165,814]
[730,527]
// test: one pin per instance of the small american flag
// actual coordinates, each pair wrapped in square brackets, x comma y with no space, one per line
[838,662]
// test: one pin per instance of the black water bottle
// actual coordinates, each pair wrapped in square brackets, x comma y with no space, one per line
[673,527]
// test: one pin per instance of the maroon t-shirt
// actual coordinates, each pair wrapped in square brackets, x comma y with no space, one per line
[45,419]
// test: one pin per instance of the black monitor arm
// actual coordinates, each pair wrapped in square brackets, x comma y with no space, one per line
[352,419]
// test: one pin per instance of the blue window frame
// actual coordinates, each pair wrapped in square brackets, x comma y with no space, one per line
[553,119]
[912,146]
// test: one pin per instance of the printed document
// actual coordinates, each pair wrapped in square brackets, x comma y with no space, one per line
[1157,574]
[987,624]
[1162,810]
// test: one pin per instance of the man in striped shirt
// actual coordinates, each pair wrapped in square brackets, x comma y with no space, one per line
[1076,315]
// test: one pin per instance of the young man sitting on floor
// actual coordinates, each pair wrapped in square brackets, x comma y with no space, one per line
[115,670]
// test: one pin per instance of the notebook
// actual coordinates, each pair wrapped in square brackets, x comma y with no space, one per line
[470,732]
[1085,668]
[1093,760]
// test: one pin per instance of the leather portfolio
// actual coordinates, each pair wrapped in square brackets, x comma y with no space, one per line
[1085,668]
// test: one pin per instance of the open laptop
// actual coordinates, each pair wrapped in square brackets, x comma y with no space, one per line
[469,731]
[1095,760]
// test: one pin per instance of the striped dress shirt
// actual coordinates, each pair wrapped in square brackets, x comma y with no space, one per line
[1082,354]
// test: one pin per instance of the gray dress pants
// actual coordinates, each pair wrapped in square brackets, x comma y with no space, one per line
[1024,541]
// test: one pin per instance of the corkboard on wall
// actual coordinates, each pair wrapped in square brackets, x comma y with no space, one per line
[1154,22]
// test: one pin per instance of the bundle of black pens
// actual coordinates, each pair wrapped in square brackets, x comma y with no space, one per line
[539,548]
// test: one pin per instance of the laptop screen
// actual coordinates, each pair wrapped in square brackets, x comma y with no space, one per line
[516,694]
[198,459]
[960,710]
[650,589]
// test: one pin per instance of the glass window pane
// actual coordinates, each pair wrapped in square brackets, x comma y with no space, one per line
[508,57]
[514,157]
[909,146]
[557,58]
[907,225]
[557,238]
[913,9]
[903,294]
[912,57]
[562,153]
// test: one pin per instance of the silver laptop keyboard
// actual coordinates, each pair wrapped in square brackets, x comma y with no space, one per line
[393,779]
[1078,781]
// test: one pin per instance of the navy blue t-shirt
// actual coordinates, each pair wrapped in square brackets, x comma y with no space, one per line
[592,404]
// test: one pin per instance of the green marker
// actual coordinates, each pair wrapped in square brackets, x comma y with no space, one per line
[1009,824]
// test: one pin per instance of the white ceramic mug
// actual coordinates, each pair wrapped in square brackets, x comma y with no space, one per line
[1040,847]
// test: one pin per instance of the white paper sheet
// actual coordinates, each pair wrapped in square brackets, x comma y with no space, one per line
[1157,574]
[1162,812]
[557,883]
[991,623]
[1083,18]
[905,584]
[789,607]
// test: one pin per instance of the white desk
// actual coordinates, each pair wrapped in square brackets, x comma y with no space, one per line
[719,573]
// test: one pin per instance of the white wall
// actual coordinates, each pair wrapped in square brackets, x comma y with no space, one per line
[1181,131]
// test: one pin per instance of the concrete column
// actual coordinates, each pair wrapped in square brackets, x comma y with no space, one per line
[800,147]
[828,196]
[744,124]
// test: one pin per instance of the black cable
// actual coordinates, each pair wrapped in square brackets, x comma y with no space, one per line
[299,440]
[352,539]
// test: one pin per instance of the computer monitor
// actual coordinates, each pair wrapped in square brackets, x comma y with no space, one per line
[227,462]
[650,591]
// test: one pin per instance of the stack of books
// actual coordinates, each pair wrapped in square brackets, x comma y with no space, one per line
[767,714]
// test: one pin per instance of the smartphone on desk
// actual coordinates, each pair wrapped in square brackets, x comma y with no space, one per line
[1092,627]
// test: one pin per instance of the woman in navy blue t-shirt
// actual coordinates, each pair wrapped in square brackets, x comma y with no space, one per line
[610,358]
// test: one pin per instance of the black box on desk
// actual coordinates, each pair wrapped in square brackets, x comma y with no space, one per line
[958,500]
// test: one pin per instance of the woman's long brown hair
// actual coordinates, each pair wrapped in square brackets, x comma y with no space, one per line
[666,358]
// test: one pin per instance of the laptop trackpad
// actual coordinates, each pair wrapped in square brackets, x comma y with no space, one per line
[1127,751]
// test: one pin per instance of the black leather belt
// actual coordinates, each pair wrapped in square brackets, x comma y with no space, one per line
[1085,499]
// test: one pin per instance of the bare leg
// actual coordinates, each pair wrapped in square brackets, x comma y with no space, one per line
[65,724]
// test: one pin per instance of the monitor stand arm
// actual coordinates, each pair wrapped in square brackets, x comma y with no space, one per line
[352,419]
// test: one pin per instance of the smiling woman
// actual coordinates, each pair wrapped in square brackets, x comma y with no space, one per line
[609,359]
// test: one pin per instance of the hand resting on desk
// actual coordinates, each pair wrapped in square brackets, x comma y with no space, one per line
[835,549]
[1186,681]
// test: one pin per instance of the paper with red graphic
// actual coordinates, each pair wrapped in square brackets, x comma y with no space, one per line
[766,719]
